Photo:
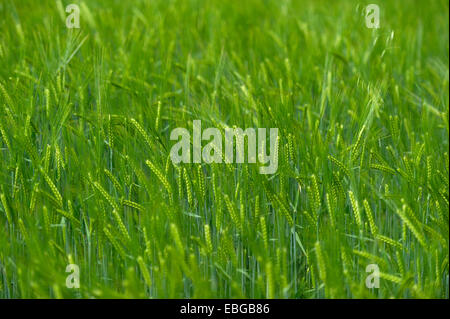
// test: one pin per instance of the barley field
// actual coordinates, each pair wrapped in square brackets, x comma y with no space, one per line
[86,178]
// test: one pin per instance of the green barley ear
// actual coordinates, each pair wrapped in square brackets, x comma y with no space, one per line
[180,182]
[142,132]
[264,233]
[4,137]
[392,278]
[161,177]
[5,94]
[439,211]
[30,148]
[339,164]
[129,203]
[371,257]
[278,203]
[257,208]
[411,214]
[311,200]
[373,227]
[59,82]
[399,259]
[167,167]
[414,230]
[389,241]
[383,168]
[22,229]
[69,216]
[113,180]
[208,240]
[362,161]
[47,158]
[419,193]
[429,169]
[201,182]
[316,193]
[356,147]
[53,188]
[437,235]
[404,175]
[176,238]
[230,249]
[394,126]
[391,150]
[236,191]
[17,177]
[420,154]
[10,117]
[408,166]
[376,154]
[286,156]
[59,162]
[6,208]
[187,181]
[334,193]
[47,102]
[70,207]
[144,271]
[33,197]
[110,133]
[355,208]
[105,194]
[310,218]
[444,179]
[233,214]
[122,229]
[158,117]
[291,147]
[285,211]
